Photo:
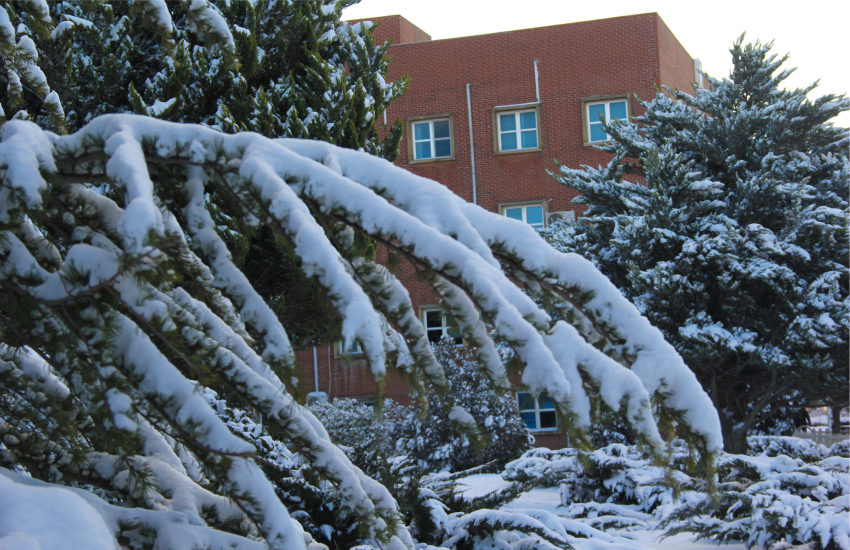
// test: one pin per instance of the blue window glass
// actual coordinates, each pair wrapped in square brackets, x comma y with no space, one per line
[595,113]
[509,142]
[534,215]
[507,122]
[529,419]
[441,129]
[528,121]
[515,213]
[422,131]
[443,147]
[618,110]
[546,402]
[597,133]
[423,150]
[529,139]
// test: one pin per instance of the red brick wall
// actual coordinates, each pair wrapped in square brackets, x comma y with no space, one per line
[396,28]
[578,60]
[677,66]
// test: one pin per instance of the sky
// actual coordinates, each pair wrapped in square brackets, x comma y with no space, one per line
[813,32]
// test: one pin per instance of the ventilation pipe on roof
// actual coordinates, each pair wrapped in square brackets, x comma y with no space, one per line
[471,145]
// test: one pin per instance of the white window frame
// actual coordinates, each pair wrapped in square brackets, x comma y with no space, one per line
[537,411]
[341,352]
[430,120]
[503,210]
[444,327]
[607,103]
[518,131]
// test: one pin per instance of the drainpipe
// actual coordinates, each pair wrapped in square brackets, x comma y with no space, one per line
[536,81]
[472,141]
[316,368]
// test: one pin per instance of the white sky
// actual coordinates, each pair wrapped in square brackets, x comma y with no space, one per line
[813,32]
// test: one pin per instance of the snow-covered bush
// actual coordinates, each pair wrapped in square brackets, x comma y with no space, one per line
[803,449]
[723,216]
[118,286]
[764,499]
[433,439]
[365,436]
[773,500]
[842,448]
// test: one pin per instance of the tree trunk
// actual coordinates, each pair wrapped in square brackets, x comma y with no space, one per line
[835,419]
[735,441]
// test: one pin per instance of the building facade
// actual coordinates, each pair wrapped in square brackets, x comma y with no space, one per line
[487,116]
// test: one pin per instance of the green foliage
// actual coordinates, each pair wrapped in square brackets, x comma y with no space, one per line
[278,68]
[435,441]
[722,216]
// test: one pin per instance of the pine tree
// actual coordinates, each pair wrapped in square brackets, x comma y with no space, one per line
[118,287]
[281,69]
[723,217]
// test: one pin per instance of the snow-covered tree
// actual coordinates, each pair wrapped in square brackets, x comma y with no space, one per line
[433,441]
[118,289]
[279,68]
[723,216]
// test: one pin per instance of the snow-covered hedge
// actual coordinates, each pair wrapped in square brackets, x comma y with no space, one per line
[766,499]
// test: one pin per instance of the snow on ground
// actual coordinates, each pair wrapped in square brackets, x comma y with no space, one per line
[686,541]
[549,499]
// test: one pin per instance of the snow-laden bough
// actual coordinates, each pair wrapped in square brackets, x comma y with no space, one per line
[119,285]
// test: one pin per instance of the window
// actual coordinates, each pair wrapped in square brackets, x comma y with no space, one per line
[532,214]
[595,111]
[354,348]
[430,138]
[517,130]
[436,326]
[538,414]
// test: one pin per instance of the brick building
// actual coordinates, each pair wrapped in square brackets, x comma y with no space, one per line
[487,115]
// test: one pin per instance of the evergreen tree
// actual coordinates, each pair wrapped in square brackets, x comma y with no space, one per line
[723,217]
[435,443]
[278,68]
[117,287]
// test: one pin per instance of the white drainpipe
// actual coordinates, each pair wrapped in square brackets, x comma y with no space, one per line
[471,145]
[316,368]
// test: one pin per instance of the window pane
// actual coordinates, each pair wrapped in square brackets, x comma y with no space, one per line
[618,109]
[508,142]
[454,334]
[525,401]
[507,122]
[423,150]
[528,120]
[441,129]
[546,402]
[443,147]
[354,347]
[515,213]
[597,133]
[435,335]
[529,139]
[548,419]
[422,130]
[534,215]
[434,319]
[530,421]
[595,113]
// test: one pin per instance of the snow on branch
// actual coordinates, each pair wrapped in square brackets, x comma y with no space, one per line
[120,282]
